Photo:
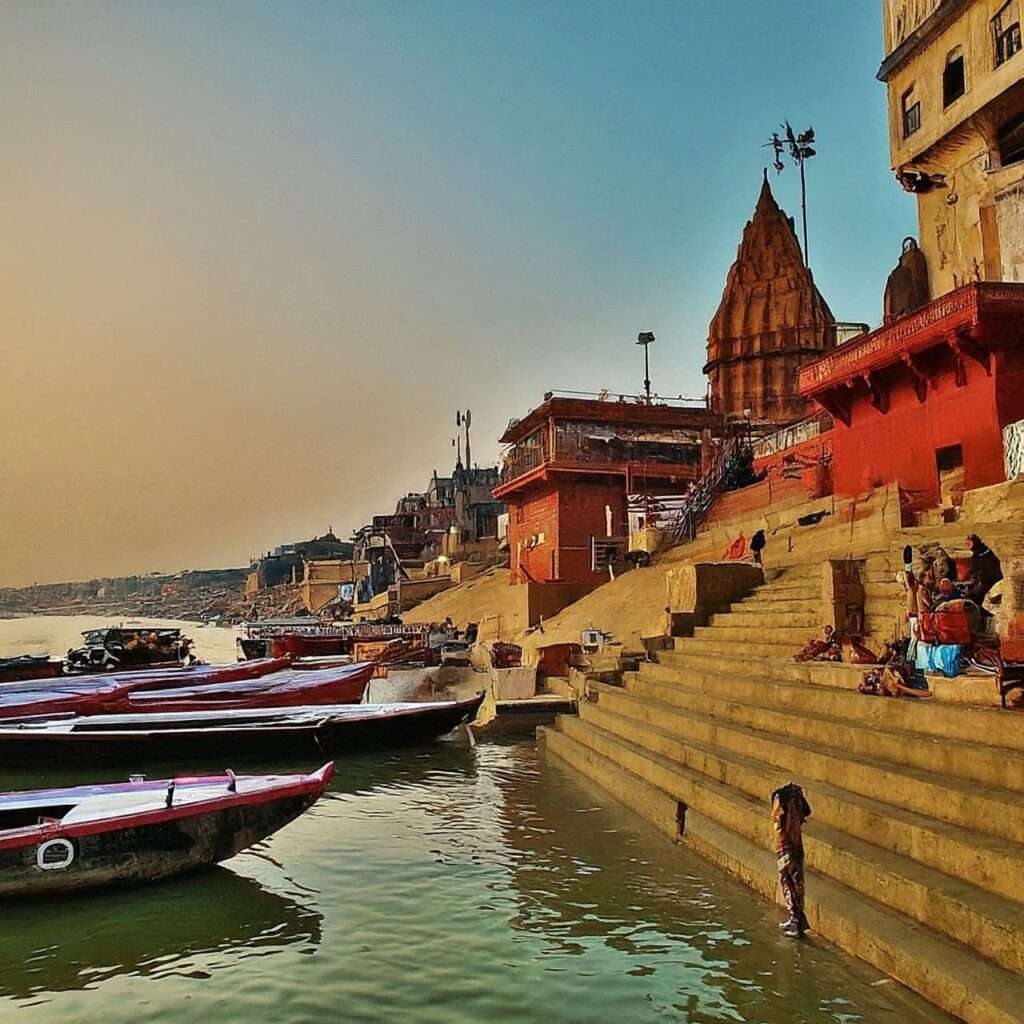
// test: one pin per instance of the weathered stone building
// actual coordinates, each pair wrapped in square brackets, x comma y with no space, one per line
[772,319]
[954,70]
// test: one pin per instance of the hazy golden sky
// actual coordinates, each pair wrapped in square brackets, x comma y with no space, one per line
[254,256]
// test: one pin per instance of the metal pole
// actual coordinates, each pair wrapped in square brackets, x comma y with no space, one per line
[803,207]
[647,375]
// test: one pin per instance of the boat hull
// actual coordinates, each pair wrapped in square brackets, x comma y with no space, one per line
[153,846]
[334,737]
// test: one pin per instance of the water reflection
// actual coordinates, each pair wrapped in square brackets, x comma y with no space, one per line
[190,927]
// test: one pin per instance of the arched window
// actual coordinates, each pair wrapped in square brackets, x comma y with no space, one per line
[953,81]
[1010,139]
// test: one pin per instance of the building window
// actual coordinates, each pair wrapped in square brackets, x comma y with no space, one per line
[1010,139]
[953,83]
[1006,32]
[911,113]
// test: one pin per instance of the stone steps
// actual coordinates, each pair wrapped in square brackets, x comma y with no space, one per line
[697,658]
[716,645]
[743,634]
[758,617]
[841,724]
[976,690]
[786,592]
[796,606]
[918,824]
[972,848]
[954,906]
[989,800]
[951,975]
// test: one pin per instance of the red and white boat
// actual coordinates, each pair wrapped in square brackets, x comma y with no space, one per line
[345,684]
[58,840]
[149,678]
[119,695]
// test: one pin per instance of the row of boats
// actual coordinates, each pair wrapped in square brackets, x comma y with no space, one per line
[53,840]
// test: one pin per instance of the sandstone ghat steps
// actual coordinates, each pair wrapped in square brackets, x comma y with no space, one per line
[948,973]
[838,728]
[918,825]
[953,906]
[988,860]
[832,690]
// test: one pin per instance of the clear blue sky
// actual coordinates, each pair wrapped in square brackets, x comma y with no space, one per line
[300,235]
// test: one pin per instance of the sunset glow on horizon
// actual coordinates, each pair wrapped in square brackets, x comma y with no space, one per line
[256,255]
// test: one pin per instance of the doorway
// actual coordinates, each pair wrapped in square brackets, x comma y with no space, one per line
[949,463]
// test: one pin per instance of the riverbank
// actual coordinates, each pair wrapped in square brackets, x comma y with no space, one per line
[55,634]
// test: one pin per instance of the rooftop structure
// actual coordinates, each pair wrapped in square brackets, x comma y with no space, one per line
[572,462]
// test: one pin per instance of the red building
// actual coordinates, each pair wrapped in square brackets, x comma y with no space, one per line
[572,463]
[925,399]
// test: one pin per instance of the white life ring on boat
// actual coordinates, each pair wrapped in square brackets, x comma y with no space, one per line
[54,854]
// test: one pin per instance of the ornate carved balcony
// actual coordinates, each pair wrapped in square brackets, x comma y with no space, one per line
[969,323]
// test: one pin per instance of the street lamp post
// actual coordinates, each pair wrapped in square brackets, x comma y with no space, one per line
[800,150]
[646,338]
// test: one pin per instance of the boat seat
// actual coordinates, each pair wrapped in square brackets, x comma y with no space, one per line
[115,805]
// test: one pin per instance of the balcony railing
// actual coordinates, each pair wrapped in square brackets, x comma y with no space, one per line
[672,401]
[599,452]
[521,459]
[958,310]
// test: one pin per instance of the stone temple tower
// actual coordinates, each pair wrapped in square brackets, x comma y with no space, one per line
[771,319]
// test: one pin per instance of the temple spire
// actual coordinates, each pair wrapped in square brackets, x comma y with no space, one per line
[771,319]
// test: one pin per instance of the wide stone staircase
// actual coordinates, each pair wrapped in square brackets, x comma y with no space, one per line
[915,848]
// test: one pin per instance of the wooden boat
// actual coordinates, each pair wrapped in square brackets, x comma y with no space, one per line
[140,679]
[297,730]
[29,666]
[344,685]
[57,840]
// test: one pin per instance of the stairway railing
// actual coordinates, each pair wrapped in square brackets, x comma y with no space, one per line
[699,500]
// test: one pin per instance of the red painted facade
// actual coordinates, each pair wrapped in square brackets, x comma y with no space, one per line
[950,375]
[573,461]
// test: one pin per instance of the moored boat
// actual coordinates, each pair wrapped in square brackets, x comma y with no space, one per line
[239,732]
[118,695]
[58,840]
[115,648]
[29,666]
[142,678]
[345,684]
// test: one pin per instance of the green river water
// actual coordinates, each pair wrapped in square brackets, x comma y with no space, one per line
[440,884]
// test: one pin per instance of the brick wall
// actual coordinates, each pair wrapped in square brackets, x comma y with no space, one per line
[581,515]
[566,512]
[530,515]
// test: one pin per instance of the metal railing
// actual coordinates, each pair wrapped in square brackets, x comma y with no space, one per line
[521,459]
[697,503]
[673,401]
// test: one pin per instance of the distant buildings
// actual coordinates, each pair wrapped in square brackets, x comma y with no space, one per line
[285,563]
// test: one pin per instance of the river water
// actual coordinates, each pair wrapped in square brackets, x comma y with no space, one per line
[438,884]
